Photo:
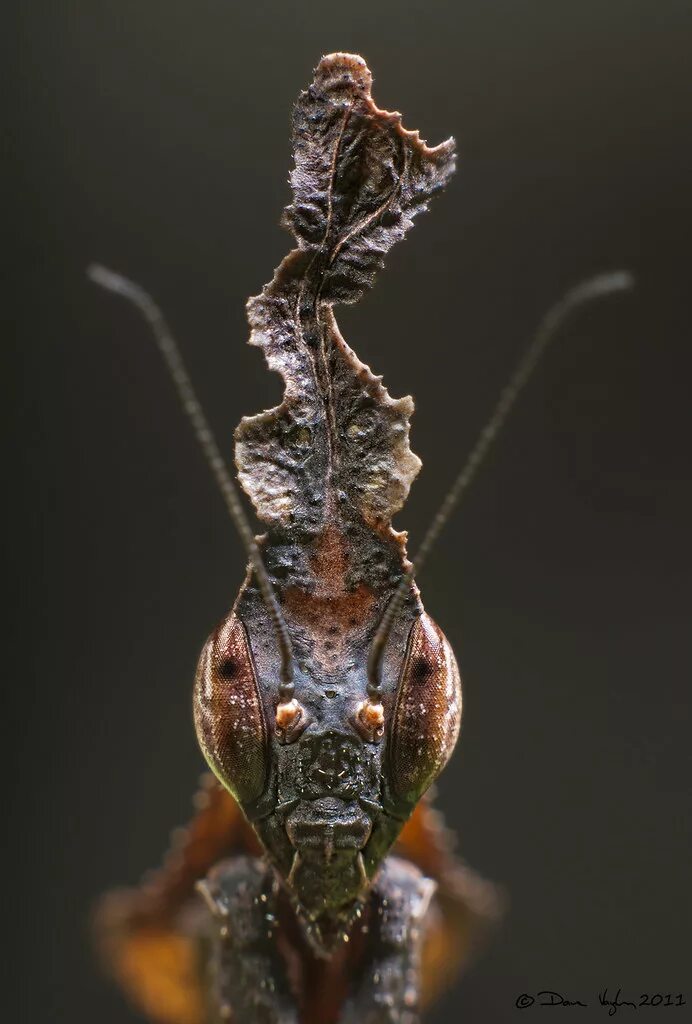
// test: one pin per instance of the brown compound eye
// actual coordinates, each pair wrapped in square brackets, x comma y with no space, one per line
[229,717]
[427,713]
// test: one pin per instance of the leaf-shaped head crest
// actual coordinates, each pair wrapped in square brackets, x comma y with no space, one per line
[337,446]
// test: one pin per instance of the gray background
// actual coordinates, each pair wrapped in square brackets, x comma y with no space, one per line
[155,137]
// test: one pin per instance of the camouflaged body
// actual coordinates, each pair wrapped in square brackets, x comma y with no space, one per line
[318,924]
[326,470]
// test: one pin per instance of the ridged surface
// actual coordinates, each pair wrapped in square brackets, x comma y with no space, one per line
[359,179]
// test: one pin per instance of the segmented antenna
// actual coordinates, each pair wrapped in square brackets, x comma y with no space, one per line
[193,410]
[597,287]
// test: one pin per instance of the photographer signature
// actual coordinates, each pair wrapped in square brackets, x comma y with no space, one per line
[612,1002]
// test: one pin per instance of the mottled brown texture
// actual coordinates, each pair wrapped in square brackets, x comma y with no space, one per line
[427,715]
[229,717]
[325,926]
[338,444]
[331,613]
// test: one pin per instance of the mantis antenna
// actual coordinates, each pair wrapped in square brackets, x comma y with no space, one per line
[168,348]
[594,288]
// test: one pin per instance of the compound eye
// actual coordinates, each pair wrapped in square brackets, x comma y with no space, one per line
[427,713]
[229,717]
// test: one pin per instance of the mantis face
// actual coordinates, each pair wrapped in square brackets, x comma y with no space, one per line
[326,796]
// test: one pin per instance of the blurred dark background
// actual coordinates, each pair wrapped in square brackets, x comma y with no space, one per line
[154,137]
